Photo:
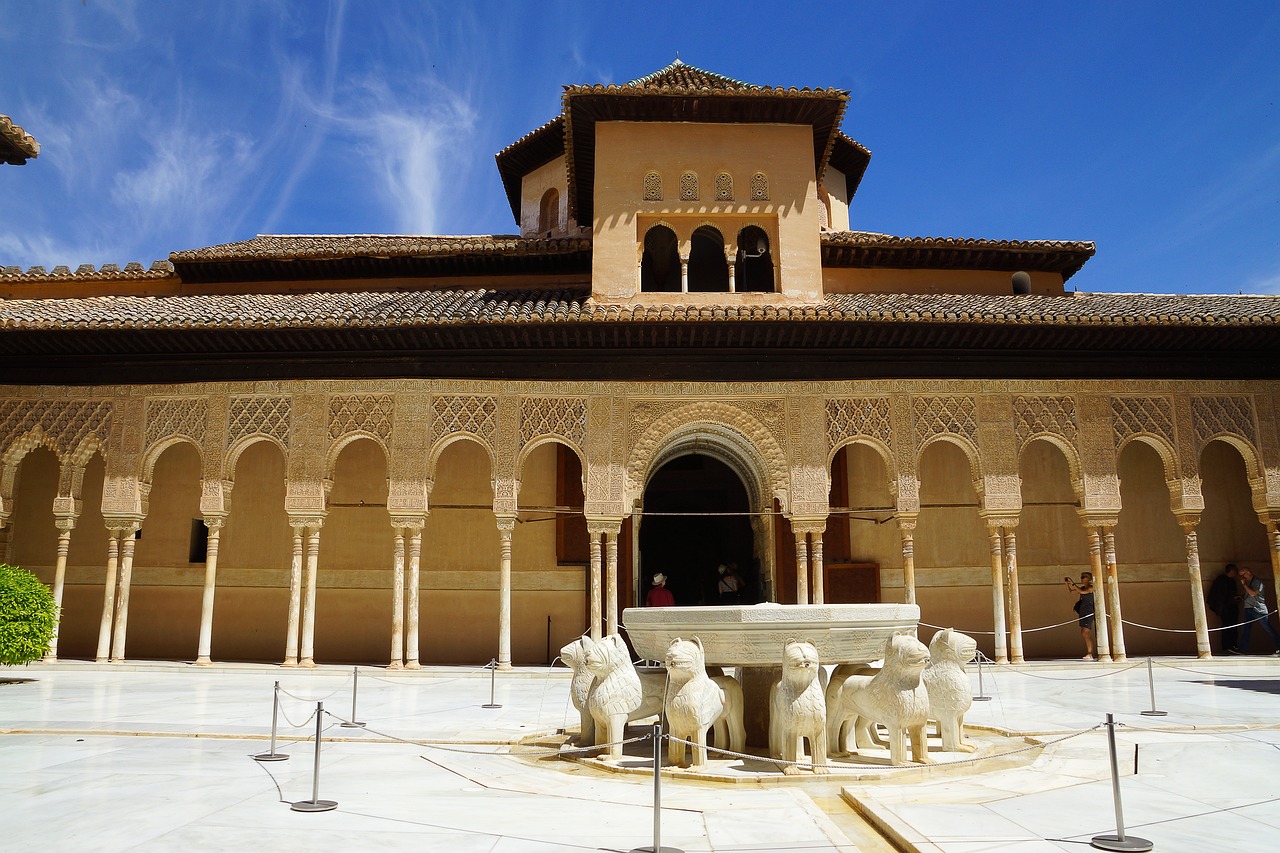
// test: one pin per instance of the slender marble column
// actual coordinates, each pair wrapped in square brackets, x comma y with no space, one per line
[906,527]
[997,593]
[611,581]
[397,600]
[802,568]
[506,525]
[1273,537]
[815,560]
[684,275]
[127,543]
[1113,594]
[295,597]
[108,597]
[415,592]
[309,608]
[1197,590]
[1101,636]
[593,593]
[733,285]
[210,582]
[65,525]
[1015,601]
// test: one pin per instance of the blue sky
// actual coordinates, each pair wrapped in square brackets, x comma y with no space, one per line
[1150,128]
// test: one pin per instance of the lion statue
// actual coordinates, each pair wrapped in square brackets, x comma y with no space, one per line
[697,701]
[615,692]
[950,695]
[895,697]
[798,710]
[652,685]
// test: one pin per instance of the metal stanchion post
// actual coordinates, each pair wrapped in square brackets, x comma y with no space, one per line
[493,675]
[1119,841]
[657,798]
[1151,683]
[275,711]
[982,695]
[355,684]
[315,804]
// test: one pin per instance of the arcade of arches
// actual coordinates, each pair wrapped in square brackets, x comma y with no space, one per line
[416,521]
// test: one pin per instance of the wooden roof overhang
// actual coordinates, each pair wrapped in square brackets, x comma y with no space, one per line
[560,336]
[521,157]
[341,258]
[863,249]
[16,145]
[585,106]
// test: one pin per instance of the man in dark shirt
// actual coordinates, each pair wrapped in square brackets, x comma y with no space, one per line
[1224,601]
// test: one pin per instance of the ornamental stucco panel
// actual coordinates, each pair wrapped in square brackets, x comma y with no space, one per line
[1000,488]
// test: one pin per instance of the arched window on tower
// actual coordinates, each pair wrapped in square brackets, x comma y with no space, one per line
[824,209]
[549,212]
[753,271]
[660,264]
[708,269]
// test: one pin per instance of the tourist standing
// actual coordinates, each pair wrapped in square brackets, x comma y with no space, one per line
[1224,601]
[1255,611]
[1084,609]
[659,595]
[730,585]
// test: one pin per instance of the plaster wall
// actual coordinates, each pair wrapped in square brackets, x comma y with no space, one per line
[627,151]
[833,181]
[533,187]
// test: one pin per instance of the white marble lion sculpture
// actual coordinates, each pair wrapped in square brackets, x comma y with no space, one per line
[798,709]
[895,697]
[652,685]
[947,683]
[615,692]
[697,701]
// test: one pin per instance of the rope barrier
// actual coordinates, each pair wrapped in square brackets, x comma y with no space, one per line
[974,760]
[1106,674]
[432,683]
[993,633]
[342,686]
[1203,672]
[285,714]
[1193,630]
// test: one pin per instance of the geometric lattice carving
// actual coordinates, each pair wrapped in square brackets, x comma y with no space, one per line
[1133,415]
[1214,416]
[168,416]
[688,187]
[759,187]
[254,415]
[476,415]
[561,416]
[366,412]
[724,187]
[937,415]
[865,416]
[1040,415]
[653,187]
[66,422]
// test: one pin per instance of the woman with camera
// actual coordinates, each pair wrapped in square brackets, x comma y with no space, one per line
[1084,609]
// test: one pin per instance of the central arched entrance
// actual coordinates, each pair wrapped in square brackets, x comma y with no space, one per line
[696,515]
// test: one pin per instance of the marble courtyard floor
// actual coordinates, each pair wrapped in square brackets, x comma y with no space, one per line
[156,756]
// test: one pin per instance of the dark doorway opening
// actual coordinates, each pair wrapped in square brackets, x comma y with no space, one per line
[689,548]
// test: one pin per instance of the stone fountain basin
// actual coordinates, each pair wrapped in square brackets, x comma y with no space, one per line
[755,635]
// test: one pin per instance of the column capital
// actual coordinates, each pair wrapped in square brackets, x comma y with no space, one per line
[302,522]
[506,522]
[808,523]
[64,523]
[123,524]
[906,521]
[1187,519]
[1098,519]
[996,520]
[597,524]
[215,520]
[408,522]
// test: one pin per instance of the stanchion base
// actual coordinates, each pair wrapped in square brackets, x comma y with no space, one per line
[490,706]
[328,806]
[1154,713]
[982,698]
[352,725]
[663,849]
[1115,842]
[270,756]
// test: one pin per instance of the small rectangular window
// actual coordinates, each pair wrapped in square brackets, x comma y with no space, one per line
[199,541]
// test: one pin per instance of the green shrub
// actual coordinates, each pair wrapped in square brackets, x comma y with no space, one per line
[28,616]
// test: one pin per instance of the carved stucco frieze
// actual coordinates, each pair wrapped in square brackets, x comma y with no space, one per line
[171,417]
[561,417]
[65,425]
[1045,415]
[1150,416]
[944,415]
[259,415]
[858,417]
[368,413]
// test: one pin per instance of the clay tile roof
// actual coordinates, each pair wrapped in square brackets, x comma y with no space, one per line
[488,307]
[16,145]
[852,158]
[526,154]
[868,249]
[680,75]
[337,246]
[86,272]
